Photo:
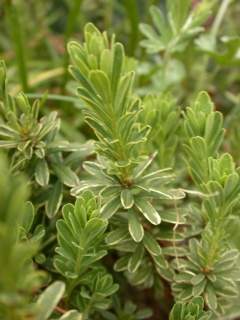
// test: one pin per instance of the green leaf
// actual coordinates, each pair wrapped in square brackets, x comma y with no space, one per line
[127,199]
[121,264]
[206,42]
[183,277]
[136,258]
[28,217]
[158,19]
[148,211]
[172,217]
[101,84]
[80,237]
[142,276]
[118,58]
[197,279]
[23,102]
[199,288]
[177,312]
[178,12]
[203,103]
[8,132]
[139,170]
[42,173]
[176,251]
[110,207]
[116,236]
[134,226]
[55,199]
[105,285]
[93,168]
[151,244]
[166,274]
[66,175]
[93,228]
[49,299]
[211,298]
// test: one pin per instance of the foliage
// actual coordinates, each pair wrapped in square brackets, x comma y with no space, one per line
[119,164]
[162,114]
[17,272]
[106,80]
[180,25]
[19,276]
[120,139]
[35,146]
[206,267]
[211,270]
[80,238]
[192,310]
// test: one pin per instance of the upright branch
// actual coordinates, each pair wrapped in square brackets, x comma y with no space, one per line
[106,79]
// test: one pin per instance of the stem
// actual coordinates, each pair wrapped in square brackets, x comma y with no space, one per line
[17,34]
[70,26]
[214,32]
[48,241]
[56,97]
[165,63]
[132,11]
[60,310]
[213,251]
[40,78]
[86,312]
[219,17]
[70,287]
[74,282]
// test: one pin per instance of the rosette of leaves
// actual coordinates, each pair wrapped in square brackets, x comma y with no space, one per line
[95,294]
[204,132]
[106,82]
[172,32]
[193,310]
[211,270]
[224,185]
[214,175]
[223,189]
[145,263]
[35,146]
[211,267]
[136,198]
[80,237]
[111,109]
[81,246]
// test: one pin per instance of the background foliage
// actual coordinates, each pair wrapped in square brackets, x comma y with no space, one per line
[119,164]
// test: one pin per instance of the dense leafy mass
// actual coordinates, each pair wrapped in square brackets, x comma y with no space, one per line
[121,200]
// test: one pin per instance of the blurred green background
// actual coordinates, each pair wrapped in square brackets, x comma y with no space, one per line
[34,34]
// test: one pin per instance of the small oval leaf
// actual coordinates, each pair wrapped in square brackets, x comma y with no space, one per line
[135,228]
